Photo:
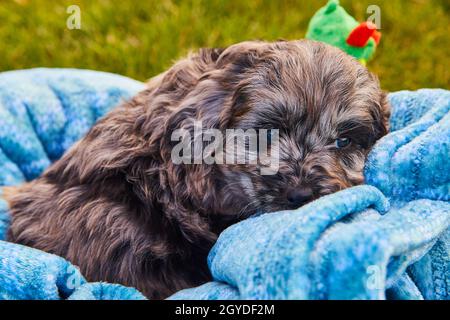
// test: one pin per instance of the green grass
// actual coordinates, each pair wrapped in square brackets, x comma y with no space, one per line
[141,38]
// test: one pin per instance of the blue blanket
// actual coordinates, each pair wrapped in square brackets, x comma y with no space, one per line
[387,239]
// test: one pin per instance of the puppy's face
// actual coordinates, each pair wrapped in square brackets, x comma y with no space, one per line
[329,111]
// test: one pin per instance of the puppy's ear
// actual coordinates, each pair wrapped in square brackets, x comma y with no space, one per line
[190,188]
[241,55]
[235,61]
[184,74]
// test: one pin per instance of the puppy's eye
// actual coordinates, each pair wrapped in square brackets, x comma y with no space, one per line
[342,142]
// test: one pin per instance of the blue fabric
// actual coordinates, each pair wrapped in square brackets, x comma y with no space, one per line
[42,113]
[387,239]
[348,245]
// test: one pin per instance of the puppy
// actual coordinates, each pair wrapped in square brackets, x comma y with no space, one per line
[118,207]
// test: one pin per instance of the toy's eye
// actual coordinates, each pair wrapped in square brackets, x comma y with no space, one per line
[342,142]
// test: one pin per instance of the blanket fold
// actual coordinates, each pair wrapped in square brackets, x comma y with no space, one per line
[388,239]
[357,254]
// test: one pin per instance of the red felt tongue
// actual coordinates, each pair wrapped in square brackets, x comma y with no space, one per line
[361,34]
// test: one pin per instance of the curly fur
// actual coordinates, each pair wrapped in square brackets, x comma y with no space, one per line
[116,205]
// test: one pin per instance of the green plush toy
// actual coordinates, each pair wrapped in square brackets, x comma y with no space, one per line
[333,25]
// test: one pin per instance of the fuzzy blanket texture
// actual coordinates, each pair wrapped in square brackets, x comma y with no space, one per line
[388,239]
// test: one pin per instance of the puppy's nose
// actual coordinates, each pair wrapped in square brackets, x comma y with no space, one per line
[299,196]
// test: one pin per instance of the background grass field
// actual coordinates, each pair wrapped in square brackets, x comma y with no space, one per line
[141,38]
